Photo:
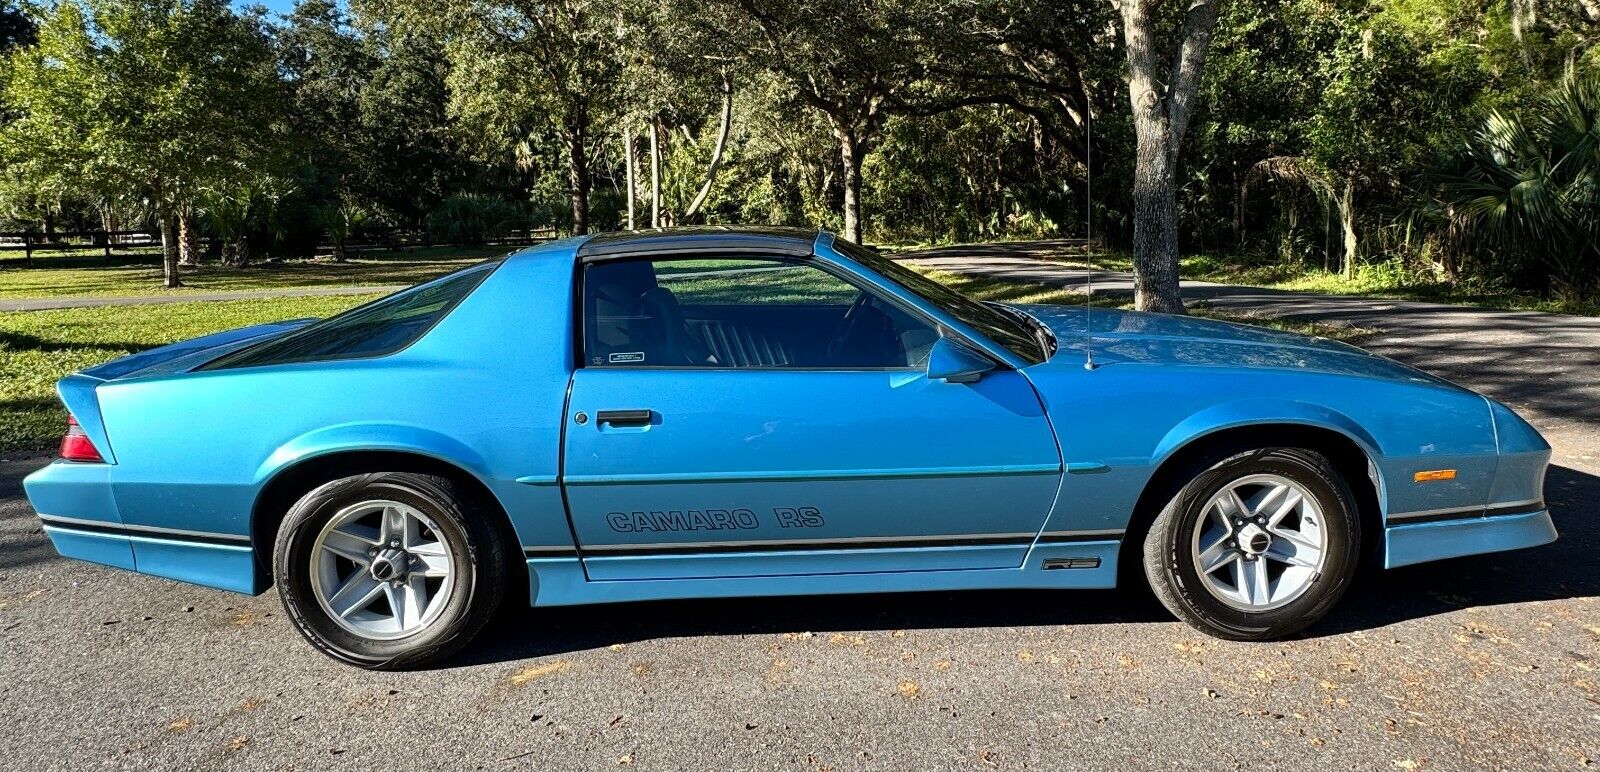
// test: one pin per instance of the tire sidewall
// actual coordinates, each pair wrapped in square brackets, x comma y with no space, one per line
[1341,532]
[293,565]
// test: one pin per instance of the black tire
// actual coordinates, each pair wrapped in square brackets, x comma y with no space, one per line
[1169,564]
[478,563]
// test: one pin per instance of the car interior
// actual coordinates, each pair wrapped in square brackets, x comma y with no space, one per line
[742,313]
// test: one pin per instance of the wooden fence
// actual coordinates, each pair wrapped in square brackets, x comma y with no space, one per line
[131,242]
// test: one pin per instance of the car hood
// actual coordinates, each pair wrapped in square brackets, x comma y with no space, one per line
[1163,339]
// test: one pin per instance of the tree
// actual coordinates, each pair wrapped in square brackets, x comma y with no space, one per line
[845,59]
[675,78]
[519,69]
[1161,91]
[1527,190]
[327,65]
[158,100]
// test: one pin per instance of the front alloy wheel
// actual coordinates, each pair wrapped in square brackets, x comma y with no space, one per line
[1258,546]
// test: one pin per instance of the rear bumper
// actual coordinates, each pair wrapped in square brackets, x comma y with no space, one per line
[79,513]
[1421,542]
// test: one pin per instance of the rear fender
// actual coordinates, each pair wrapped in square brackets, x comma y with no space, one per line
[401,438]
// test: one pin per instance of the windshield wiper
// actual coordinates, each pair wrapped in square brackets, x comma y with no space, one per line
[1038,331]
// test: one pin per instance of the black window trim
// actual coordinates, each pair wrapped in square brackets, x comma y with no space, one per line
[488,267]
[772,256]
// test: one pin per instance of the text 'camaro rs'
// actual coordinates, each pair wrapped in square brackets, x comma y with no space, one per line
[745,412]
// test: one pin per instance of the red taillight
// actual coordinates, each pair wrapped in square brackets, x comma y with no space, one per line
[75,446]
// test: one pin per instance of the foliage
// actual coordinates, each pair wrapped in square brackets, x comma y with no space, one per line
[160,100]
[1323,136]
[472,219]
[1527,189]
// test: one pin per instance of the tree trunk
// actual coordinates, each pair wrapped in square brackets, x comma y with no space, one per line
[169,250]
[578,178]
[850,160]
[627,146]
[1155,211]
[655,173]
[188,238]
[716,152]
[1161,106]
[1347,223]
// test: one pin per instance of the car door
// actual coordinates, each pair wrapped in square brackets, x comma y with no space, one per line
[758,417]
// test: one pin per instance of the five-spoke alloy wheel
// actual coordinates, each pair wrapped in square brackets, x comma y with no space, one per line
[381,569]
[389,570]
[1256,546]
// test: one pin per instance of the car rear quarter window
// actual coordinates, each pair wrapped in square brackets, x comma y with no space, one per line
[378,328]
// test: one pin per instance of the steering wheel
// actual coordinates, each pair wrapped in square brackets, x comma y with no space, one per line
[845,329]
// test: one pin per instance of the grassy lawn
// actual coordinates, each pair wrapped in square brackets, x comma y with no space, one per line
[72,276]
[1371,281]
[37,348]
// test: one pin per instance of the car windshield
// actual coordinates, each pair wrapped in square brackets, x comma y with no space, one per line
[1017,333]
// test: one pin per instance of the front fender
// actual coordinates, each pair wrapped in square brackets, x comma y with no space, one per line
[1232,415]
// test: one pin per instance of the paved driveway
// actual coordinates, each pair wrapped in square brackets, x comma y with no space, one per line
[1487,662]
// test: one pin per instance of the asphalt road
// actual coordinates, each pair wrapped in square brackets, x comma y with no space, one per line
[1484,662]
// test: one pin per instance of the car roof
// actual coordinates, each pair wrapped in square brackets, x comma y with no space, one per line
[763,240]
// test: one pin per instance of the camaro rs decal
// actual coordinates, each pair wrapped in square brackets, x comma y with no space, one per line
[655,521]
[679,520]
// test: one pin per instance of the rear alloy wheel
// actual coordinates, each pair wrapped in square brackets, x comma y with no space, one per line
[1257,547]
[389,570]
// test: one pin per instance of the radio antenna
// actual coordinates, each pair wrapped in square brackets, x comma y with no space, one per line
[1088,234]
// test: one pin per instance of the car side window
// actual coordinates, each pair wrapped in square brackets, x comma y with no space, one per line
[742,313]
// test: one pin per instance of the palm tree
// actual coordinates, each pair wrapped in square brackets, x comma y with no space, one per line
[1528,190]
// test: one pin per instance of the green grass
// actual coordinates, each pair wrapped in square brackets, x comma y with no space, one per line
[37,348]
[1025,292]
[79,277]
[1381,280]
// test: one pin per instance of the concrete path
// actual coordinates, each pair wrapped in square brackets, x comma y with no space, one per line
[1546,364]
[100,301]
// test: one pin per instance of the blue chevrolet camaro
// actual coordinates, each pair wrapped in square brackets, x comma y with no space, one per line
[737,412]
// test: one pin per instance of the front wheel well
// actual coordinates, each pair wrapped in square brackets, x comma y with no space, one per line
[1200,453]
[290,484]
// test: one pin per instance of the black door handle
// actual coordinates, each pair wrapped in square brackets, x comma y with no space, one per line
[625,417]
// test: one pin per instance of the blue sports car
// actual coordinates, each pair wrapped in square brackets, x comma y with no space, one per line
[739,412]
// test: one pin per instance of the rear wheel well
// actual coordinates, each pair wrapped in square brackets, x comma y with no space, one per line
[289,485]
[1202,452]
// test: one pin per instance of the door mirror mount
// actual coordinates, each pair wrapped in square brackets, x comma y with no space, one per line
[954,362]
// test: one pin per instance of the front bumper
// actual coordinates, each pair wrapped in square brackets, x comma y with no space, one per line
[1408,544]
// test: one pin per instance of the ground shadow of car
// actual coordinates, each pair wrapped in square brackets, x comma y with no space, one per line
[1565,569]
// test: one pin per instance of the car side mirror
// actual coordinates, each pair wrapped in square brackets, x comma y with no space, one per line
[953,362]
